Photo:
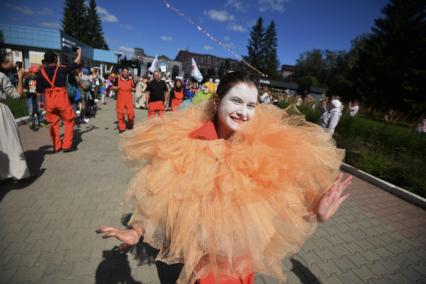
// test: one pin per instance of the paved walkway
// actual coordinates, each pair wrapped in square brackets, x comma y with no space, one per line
[47,227]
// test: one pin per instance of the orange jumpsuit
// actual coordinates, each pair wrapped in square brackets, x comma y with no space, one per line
[57,107]
[208,132]
[177,99]
[125,103]
[154,107]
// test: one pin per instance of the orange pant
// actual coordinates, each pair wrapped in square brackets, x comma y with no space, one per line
[249,279]
[125,106]
[154,107]
[57,107]
[224,264]
[176,103]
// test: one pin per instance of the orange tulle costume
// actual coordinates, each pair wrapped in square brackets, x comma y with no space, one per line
[228,208]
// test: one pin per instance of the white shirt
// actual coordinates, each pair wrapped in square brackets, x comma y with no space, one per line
[265,98]
[354,110]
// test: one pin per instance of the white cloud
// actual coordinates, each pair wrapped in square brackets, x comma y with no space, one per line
[28,11]
[105,15]
[127,49]
[219,15]
[51,25]
[166,38]
[251,23]
[272,5]
[45,11]
[227,38]
[125,26]
[21,9]
[237,4]
[229,45]
[236,28]
[207,47]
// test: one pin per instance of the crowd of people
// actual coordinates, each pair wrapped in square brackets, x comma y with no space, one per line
[71,93]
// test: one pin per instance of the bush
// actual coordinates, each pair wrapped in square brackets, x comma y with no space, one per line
[391,152]
[17,106]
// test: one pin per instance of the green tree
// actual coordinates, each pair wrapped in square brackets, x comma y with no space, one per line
[269,56]
[310,68]
[255,48]
[74,19]
[95,36]
[391,68]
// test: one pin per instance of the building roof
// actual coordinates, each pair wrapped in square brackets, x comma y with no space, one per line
[289,68]
[50,39]
[183,52]
[290,86]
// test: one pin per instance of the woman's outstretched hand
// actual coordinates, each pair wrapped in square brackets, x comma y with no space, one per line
[332,199]
[127,237]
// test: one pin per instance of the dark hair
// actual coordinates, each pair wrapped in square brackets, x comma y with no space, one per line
[124,68]
[181,85]
[50,57]
[230,80]
[4,57]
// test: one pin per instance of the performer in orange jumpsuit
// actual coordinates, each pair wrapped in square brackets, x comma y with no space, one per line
[124,86]
[52,79]
[177,95]
[230,187]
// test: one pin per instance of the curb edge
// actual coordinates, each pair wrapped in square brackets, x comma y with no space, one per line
[22,120]
[395,190]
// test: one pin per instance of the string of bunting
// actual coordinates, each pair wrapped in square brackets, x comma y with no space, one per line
[212,38]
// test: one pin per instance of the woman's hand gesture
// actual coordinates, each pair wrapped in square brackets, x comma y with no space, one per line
[128,237]
[332,198]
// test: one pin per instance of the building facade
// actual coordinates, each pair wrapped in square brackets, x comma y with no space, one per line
[287,70]
[165,65]
[28,45]
[210,66]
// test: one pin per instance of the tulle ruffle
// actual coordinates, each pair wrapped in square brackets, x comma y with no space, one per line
[229,206]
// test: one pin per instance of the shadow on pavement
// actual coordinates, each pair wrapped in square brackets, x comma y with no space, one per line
[34,160]
[303,273]
[78,133]
[114,268]
[146,254]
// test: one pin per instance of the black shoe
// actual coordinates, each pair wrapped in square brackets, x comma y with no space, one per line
[121,131]
[67,150]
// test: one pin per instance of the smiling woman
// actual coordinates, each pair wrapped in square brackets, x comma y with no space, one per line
[237,99]
[229,187]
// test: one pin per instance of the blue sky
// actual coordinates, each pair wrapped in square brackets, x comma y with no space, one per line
[301,24]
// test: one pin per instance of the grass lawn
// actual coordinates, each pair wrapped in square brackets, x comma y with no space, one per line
[391,152]
[17,106]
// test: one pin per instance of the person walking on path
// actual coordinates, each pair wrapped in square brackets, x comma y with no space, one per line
[177,95]
[124,86]
[156,96]
[140,93]
[52,80]
[233,194]
[12,159]
[30,86]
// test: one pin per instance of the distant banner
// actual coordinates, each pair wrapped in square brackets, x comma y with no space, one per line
[212,38]
[154,65]
[196,74]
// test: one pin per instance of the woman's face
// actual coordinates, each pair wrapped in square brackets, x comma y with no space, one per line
[178,84]
[237,106]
